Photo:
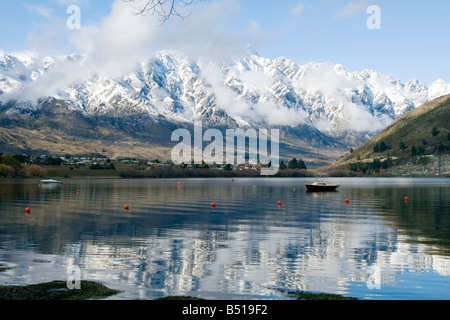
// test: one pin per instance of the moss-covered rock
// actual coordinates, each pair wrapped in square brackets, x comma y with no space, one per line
[56,290]
[321,296]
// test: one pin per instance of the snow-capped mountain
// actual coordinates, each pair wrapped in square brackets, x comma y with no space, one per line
[317,104]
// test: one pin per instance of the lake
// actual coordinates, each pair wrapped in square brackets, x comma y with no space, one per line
[172,242]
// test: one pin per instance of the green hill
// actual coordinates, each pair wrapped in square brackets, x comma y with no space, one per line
[414,141]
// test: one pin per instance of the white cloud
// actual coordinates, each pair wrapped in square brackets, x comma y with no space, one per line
[124,39]
[323,77]
[254,27]
[110,48]
[276,115]
[266,110]
[42,11]
[119,42]
[359,119]
[298,9]
[353,8]
[61,74]
[72,2]
[258,79]
[226,99]
[332,85]
[209,32]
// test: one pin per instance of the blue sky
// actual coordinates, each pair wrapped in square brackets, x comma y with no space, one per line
[413,41]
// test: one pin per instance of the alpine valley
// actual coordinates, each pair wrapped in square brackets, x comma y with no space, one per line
[63,105]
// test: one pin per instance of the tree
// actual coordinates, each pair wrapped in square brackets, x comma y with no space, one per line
[7,171]
[434,132]
[402,145]
[296,164]
[376,148]
[441,148]
[50,161]
[413,151]
[162,8]
[292,164]
[35,171]
[9,160]
[301,164]
[420,151]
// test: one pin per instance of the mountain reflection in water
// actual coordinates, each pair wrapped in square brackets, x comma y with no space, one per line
[172,242]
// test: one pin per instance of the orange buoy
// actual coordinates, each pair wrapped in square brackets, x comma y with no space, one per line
[28,210]
[279,203]
[213,205]
[127,207]
[179,183]
[347,201]
[78,191]
[406,199]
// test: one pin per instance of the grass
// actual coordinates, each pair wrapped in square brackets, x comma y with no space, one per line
[64,171]
[56,290]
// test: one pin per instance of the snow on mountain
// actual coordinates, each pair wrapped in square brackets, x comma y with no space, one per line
[253,91]
[437,88]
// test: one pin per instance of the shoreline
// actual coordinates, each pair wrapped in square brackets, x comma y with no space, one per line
[13,167]
[92,290]
[132,171]
[88,290]
[118,177]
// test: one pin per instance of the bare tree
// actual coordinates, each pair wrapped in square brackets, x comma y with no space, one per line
[163,8]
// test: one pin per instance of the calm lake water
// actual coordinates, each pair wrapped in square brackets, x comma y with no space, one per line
[171,242]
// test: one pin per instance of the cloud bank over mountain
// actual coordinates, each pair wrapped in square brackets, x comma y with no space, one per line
[251,90]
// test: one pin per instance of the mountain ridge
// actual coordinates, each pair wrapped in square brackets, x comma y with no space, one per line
[316,106]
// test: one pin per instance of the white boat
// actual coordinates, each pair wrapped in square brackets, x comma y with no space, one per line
[51,181]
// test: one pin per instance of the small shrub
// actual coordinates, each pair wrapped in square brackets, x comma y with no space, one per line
[7,171]
[35,171]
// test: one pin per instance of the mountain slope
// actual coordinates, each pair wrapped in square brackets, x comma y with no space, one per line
[316,106]
[56,128]
[422,132]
